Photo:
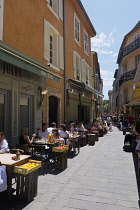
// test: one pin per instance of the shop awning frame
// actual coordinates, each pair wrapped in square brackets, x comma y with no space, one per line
[86,87]
[17,58]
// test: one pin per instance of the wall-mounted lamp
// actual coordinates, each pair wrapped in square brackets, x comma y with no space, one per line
[72,91]
[43,92]
[95,75]
[83,95]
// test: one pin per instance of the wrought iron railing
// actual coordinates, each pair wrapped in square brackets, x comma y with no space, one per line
[128,49]
[127,76]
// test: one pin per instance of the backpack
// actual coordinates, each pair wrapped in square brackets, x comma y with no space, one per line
[128,138]
[127,147]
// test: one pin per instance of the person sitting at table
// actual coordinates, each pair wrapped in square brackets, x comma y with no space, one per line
[24,137]
[64,133]
[3,143]
[42,133]
[56,137]
[81,130]
[73,129]
[49,130]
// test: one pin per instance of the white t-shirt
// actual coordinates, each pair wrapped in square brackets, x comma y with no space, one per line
[4,146]
[63,134]
[43,134]
[49,130]
[108,119]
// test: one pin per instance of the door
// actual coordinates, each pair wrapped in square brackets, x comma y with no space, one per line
[4,113]
[53,110]
[26,112]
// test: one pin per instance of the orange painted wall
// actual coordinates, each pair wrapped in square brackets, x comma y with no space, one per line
[24,30]
[71,8]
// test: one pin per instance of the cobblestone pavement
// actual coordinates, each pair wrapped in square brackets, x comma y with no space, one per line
[101,177]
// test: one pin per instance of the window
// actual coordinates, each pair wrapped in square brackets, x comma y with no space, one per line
[53,46]
[57,7]
[51,3]
[87,74]
[86,48]
[51,49]
[76,29]
[137,59]
[76,65]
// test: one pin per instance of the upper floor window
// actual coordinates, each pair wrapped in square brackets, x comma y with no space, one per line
[57,7]
[53,46]
[76,66]
[51,49]
[76,28]
[137,60]
[86,47]
[51,3]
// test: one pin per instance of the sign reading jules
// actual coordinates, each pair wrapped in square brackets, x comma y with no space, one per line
[11,70]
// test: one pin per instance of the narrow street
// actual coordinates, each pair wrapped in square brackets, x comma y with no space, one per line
[100,177]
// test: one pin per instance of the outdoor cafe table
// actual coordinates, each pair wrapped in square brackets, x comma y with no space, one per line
[6,159]
[75,142]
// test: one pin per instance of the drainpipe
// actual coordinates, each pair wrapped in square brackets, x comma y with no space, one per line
[64,35]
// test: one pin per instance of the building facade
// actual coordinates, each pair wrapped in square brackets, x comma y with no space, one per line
[78,32]
[128,60]
[31,34]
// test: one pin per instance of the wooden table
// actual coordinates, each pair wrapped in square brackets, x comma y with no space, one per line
[75,142]
[6,159]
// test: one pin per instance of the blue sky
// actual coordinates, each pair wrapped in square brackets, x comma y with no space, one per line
[112,20]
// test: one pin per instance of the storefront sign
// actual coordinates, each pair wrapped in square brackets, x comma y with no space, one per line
[12,70]
[15,112]
[27,88]
[46,74]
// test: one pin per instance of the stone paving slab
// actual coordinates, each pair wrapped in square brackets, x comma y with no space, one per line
[101,177]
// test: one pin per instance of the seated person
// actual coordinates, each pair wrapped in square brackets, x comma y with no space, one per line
[56,137]
[64,133]
[3,143]
[24,137]
[73,129]
[49,130]
[42,133]
[81,130]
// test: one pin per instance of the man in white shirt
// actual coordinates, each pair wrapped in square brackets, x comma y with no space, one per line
[49,130]
[42,133]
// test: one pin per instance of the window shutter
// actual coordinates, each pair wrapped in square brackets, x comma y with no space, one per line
[83,68]
[48,1]
[80,70]
[74,65]
[61,9]
[61,53]
[90,77]
[46,40]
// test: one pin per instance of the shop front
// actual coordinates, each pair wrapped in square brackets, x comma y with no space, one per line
[22,80]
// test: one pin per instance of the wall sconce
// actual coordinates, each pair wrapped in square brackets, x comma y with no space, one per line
[83,95]
[43,92]
[72,91]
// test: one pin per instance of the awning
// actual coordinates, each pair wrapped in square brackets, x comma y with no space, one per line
[86,87]
[23,61]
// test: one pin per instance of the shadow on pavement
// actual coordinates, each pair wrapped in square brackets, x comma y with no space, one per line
[135,160]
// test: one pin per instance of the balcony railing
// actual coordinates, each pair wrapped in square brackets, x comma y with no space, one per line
[128,49]
[127,76]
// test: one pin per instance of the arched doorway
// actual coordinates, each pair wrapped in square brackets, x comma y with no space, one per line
[53,110]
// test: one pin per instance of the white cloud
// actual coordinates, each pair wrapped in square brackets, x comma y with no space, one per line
[102,51]
[115,54]
[107,77]
[103,40]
